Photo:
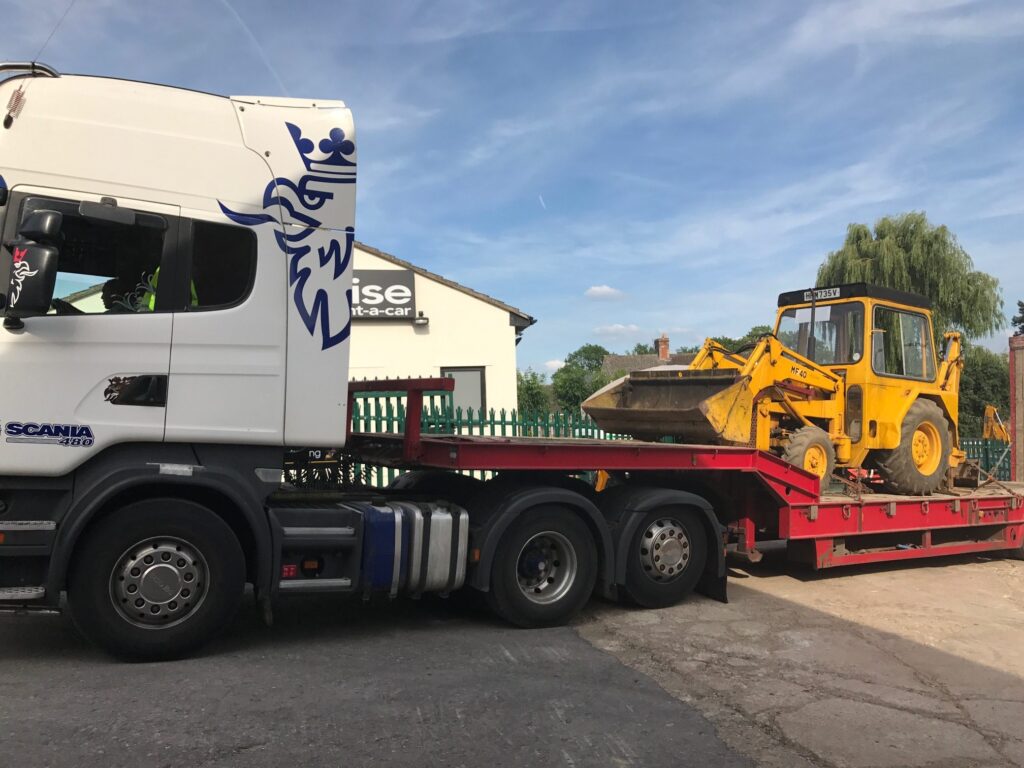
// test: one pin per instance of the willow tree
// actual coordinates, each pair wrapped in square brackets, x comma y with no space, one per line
[909,253]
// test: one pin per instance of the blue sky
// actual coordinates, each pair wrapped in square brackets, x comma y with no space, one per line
[615,169]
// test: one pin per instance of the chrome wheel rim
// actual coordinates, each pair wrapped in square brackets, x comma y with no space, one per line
[159,582]
[546,567]
[665,550]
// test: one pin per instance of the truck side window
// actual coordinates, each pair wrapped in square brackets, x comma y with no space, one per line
[906,345]
[104,267]
[223,265]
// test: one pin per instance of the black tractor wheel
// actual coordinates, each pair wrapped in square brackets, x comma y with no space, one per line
[666,557]
[156,580]
[544,569]
[918,464]
[811,449]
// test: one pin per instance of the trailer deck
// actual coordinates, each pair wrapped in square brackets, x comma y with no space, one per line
[757,495]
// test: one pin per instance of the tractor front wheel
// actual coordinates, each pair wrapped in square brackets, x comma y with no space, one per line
[811,449]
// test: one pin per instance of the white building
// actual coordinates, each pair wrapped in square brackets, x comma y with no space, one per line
[407,321]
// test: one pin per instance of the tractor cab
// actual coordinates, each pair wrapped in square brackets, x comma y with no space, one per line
[880,330]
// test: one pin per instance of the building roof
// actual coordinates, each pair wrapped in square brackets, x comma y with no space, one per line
[612,364]
[518,318]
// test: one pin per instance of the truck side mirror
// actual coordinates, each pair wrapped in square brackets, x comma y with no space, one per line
[42,227]
[34,258]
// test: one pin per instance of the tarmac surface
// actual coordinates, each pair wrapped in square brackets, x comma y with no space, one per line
[408,684]
[863,667]
[858,667]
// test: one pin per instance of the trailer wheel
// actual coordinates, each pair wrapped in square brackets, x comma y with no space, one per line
[666,557]
[918,464]
[156,580]
[544,569]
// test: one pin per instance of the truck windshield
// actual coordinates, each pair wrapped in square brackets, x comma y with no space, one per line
[838,332]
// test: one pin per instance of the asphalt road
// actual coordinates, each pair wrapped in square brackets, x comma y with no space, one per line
[418,684]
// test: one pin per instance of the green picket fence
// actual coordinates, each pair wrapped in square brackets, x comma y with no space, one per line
[386,412]
[991,455]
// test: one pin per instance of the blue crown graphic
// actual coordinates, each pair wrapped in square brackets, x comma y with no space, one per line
[334,148]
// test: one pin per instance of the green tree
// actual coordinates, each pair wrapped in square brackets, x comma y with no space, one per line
[909,253]
[1018,320]
[986,379]
[532,392]
[641,349]
[589,357]
[580,377]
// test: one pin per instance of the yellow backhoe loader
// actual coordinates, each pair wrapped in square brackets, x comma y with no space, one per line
[849,378]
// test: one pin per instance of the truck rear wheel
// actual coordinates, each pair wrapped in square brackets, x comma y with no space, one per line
[666,557]
[918,464]
[811,449]
[156,580]
[544,568]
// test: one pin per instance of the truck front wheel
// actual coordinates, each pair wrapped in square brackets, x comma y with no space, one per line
[544,568]
[156,579]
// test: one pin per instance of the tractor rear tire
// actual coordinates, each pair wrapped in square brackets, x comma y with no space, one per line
[918,464]
[811,449]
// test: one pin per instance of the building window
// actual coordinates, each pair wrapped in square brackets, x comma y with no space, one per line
[470,389]
[223,265]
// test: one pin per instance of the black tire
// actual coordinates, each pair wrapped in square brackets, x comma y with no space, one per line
[900,474]
[213,572]
[646,585]
[808,442]
[561,528]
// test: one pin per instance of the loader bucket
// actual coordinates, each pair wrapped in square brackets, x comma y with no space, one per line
[690,406]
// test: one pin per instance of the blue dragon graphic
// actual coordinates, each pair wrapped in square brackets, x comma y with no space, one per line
[304,242]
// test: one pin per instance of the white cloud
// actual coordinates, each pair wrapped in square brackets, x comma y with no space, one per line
[554,365]
[616,329]
[602,292]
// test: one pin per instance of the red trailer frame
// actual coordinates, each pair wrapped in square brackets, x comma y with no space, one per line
[756,494]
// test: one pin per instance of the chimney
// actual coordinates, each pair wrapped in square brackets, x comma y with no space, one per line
[661,344]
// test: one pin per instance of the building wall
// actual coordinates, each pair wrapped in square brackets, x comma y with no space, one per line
[1017,407]
[463,331]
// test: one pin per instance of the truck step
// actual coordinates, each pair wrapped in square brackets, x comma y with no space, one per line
[21,594]
[319,536]
[28,525]
[315,586]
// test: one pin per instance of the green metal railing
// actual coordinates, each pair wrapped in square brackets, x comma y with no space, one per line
[386,412]
[991,455]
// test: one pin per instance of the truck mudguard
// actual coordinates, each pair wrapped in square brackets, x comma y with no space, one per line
[228,471]
[495,509]
[624,507]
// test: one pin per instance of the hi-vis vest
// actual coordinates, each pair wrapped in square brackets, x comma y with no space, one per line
[149,297]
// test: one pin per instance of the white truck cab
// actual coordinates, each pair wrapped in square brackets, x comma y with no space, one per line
[202,269]
[176,291]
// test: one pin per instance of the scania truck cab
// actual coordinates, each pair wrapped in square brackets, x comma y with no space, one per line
[178,268]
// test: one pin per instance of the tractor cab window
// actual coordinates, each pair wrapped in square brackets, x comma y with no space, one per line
[902,345]
[838,332]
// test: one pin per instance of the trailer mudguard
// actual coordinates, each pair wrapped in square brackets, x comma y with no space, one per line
[624,506]
[493,511]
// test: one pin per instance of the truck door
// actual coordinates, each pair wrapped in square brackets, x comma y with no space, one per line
[93,371]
